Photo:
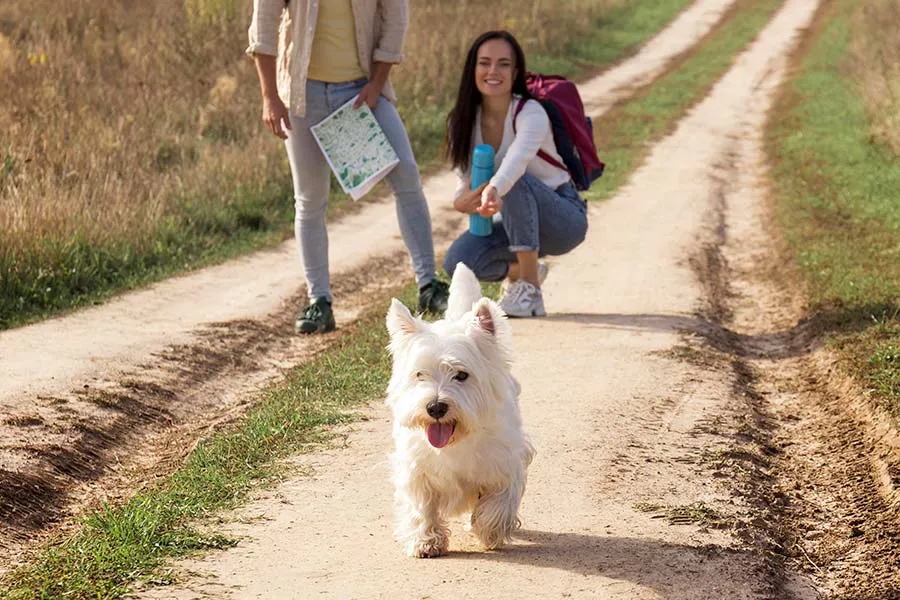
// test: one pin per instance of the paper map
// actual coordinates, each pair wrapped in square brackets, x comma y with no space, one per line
[356,148]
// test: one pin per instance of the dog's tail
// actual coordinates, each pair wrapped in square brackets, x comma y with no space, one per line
[464,292]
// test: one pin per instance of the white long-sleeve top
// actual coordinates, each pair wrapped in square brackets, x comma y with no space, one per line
[517,154]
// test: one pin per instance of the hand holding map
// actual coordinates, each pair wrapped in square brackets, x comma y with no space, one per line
[355,147]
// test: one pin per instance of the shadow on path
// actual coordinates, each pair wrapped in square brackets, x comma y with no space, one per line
[801,339]
[673,571]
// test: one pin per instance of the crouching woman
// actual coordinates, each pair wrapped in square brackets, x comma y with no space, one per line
[541,213]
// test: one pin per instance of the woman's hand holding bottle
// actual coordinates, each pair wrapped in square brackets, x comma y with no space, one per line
[491,202]
[470,200]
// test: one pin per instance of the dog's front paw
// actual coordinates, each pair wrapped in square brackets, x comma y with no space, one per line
[495,518]
[431,547]
[428,550]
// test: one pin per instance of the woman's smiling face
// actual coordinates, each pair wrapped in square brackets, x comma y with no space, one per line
[495,68]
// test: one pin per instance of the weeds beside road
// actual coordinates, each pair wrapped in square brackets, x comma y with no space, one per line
[833,147]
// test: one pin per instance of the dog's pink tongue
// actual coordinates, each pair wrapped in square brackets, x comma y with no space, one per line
[439,434]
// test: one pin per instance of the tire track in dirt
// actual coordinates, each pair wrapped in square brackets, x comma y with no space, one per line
[141,425]
[115,394]
[829,459]
[821,462]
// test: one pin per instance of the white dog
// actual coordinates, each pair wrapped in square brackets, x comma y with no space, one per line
[459,444]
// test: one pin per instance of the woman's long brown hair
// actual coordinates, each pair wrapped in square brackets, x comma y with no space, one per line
[461,119]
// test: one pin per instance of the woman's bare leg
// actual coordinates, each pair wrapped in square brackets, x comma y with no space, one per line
[513,273]
[526,267]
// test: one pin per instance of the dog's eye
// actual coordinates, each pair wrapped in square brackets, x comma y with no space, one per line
[461,376]
[420,375]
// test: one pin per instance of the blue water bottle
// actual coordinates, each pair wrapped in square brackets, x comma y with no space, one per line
[482,171]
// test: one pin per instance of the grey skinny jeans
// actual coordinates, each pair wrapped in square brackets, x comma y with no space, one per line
[312,179]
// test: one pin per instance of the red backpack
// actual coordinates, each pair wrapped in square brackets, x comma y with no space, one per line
[573,131]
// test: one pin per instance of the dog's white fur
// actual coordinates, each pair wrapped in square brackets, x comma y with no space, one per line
[482,470]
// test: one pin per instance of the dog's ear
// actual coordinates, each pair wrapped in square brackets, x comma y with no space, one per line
[401,322]
[484,319]
[487,317]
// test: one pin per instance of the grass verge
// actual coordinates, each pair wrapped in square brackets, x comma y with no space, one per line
[835,201]
[625,134]
[66,273]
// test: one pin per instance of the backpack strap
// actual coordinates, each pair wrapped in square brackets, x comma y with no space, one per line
[547,158]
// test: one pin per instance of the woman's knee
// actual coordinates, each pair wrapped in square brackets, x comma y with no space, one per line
[520,203]
[571,239]
[404,178]
[310,206]
[310,192]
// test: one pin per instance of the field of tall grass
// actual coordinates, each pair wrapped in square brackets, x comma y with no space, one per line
[130,138]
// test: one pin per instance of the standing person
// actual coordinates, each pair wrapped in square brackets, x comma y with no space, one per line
[540,210]
[311,57]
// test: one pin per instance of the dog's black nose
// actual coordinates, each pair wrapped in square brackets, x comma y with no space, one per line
[436,409]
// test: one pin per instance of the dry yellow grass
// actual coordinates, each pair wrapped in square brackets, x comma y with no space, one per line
[116,113]
[876,66]
[115,110]
[7,55]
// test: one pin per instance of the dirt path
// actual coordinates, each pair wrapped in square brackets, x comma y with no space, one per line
[650,479]
[96,400]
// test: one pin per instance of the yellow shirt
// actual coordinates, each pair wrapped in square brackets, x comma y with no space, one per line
[287,33]
[334,56]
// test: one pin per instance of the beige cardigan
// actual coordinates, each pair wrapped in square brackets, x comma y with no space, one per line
[287,32]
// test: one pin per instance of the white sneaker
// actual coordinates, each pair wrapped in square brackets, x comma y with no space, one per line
[523,300]
[543,270]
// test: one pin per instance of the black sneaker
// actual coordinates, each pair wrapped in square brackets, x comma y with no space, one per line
[315,318]
[433,296]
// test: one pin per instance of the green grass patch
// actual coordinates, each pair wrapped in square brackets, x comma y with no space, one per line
[55,277]
[625,135]
[873,356]
[836,203]
[119,545]
[62,275]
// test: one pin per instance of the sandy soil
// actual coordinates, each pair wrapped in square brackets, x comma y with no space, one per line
[667,396]
[93,401]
